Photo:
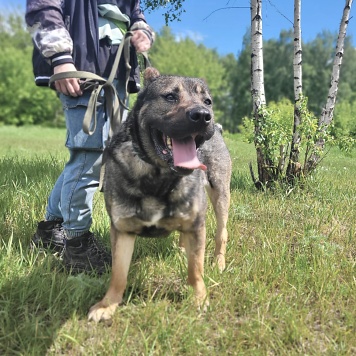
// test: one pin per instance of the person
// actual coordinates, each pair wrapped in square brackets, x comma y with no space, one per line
[70,36]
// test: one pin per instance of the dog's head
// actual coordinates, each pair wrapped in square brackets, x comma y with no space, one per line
[176,113]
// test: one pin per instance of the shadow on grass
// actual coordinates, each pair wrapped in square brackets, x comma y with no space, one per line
[44,309]
[38,298]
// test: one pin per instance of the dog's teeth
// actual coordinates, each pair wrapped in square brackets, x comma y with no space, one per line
[169,143]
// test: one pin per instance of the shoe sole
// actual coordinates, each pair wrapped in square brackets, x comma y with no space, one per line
[77,269]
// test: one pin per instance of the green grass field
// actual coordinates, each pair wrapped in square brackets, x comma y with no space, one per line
[289,287]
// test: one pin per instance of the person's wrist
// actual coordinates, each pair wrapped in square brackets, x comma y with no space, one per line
[61,58]
[64,67]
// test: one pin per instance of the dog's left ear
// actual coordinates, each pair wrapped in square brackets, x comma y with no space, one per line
[149,75]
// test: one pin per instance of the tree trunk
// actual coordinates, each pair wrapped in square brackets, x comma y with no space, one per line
[258,89]
[328,111]
[293,169]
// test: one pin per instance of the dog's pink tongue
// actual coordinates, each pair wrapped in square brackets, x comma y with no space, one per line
[185,154]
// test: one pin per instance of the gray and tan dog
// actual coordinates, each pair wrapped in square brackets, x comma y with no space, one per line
[158,166]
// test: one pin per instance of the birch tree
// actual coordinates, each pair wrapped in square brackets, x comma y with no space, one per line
[293,168]
[328,111]
[258,90]
[267,130]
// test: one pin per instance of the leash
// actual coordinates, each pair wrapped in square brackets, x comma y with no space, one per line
[98,84]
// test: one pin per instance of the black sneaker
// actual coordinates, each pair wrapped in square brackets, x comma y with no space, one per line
[86,254]
[49,235]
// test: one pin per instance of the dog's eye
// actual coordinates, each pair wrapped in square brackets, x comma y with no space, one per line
[207,102]
[170,97]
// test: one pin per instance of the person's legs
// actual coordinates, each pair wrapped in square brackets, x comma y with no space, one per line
[49,233]
[80,181]
[53,210]
[69,208]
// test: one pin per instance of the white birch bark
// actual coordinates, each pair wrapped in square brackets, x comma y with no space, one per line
[257,73]
[258,89]
[293,165]
[328,111]
[297,61]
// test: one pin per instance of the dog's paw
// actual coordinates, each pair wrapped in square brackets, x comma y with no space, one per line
[220,262]
[203,305]
[101,312]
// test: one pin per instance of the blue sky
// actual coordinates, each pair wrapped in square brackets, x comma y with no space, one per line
[221,25]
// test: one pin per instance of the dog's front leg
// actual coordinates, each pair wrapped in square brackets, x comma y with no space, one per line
[194,243]
[220,199]
[122,245]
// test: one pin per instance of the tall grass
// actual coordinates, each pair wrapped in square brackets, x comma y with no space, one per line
[288,289]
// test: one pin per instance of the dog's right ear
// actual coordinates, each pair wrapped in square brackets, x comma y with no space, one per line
[149,75]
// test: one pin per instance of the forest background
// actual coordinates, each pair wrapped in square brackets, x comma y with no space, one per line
[228,76]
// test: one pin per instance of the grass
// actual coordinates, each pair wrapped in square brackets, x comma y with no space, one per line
[288,289]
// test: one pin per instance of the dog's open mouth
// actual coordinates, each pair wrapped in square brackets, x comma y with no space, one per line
[178,153]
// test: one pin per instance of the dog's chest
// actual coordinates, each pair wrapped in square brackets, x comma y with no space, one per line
[154,216]
[152,210]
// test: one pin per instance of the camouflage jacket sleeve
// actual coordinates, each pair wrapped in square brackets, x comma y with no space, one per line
[47,26]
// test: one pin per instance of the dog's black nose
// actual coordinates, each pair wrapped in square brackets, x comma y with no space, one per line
[200,115]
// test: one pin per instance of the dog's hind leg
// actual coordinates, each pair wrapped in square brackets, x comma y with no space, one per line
[220,198]
[122,245]
[194,244]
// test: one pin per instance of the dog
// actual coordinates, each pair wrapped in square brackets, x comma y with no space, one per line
[158,165]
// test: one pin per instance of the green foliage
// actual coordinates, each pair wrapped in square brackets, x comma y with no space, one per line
[22,103]
[274,134]
[278,69]
[173,8]
[240,86]
[344,128]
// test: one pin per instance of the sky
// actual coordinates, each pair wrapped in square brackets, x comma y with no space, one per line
[221,24]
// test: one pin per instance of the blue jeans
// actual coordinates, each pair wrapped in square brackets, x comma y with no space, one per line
[71,198]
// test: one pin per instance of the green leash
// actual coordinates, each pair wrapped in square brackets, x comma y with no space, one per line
[98,84]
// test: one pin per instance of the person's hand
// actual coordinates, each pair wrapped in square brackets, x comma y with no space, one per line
[140,41]
[68,86]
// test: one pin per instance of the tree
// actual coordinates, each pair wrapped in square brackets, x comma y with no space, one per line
[226,101]
[293,168]
[21,101]
[240,91]
[270,166]
[258,95]
[173,8]
[345,124]
[328,111]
